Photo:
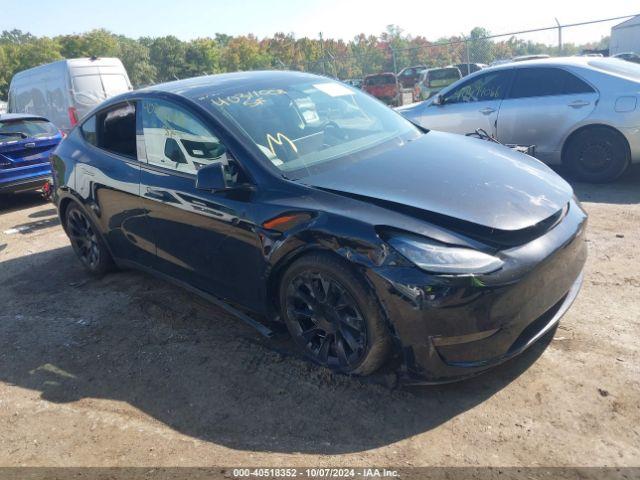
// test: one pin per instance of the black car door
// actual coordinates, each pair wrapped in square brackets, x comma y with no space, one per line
[205,239]
[108,180]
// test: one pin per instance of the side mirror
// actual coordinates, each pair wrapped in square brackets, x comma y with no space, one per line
[438,100]
[211,178]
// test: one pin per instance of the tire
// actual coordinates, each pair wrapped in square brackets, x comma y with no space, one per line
[332,316]
[87,242]
[596,155]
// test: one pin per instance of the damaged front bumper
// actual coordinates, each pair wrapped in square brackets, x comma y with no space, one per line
[449,328]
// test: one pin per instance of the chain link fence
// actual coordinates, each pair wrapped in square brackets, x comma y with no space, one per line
[464,51]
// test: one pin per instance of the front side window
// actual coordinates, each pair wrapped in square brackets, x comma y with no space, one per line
[117,130]
[485,87]
[543,82]
[306,125]
[177,140]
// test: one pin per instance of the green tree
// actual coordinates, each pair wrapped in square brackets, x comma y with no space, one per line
[244,53]
[136,59]
[96,43]
[168,55]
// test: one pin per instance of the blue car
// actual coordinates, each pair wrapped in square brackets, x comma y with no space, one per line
[26,143]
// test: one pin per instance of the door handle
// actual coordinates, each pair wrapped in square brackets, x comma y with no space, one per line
[579,104]
[487,110]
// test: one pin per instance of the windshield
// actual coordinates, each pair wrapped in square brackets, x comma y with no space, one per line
[20,129]
[618,67]
[300,126]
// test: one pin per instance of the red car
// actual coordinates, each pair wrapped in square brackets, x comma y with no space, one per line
[383,86]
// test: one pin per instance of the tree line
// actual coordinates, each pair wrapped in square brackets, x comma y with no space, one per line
[152,60]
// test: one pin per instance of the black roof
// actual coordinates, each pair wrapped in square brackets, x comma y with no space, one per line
[235,82]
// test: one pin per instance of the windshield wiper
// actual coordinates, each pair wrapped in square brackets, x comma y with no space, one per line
[14,134]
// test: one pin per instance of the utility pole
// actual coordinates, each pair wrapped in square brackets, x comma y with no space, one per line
[466,47]
[559,37]
[324,70]
[393,55]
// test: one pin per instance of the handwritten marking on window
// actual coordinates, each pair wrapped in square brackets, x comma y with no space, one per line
[279,139]
[251,98]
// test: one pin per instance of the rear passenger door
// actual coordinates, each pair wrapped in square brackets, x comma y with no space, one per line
[542,106]
[108,180]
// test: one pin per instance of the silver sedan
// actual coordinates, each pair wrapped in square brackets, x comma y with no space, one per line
[582,112]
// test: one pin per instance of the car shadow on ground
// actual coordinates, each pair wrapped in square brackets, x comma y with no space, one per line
[625,190]
[28,227]
[19,201]
[133,338]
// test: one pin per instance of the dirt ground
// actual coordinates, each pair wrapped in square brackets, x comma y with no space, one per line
[130,370]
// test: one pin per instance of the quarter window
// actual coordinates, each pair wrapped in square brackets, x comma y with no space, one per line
[543,82]
[88,129]
[489,86]
[175,139]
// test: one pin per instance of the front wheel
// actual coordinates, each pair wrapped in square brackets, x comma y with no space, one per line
[596,155]
[86,241]
[332,316]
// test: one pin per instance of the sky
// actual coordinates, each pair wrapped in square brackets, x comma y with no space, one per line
[188,19]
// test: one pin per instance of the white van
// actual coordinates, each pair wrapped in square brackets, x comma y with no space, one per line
[66,90]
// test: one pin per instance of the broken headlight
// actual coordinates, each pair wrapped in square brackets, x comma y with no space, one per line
[436,257]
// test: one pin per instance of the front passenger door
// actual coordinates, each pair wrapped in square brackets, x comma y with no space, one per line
[471,105]
[202,238]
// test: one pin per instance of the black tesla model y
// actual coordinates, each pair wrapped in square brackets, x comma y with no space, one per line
[305,201]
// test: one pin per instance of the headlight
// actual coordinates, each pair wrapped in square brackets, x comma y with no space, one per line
[439,258]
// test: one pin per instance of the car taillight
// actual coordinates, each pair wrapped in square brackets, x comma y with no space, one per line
[63,134]
[73,116]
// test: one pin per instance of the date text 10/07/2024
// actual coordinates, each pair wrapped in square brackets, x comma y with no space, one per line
[314,472]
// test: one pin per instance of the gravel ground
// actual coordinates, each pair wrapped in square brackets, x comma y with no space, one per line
[130,370]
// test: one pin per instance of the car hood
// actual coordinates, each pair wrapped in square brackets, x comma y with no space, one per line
[454,176]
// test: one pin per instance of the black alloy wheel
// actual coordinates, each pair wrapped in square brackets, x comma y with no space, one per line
[332,316]
[329,322]
[86,241]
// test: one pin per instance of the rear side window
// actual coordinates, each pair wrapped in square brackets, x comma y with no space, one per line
[116,130]
[543,82]
[28,128]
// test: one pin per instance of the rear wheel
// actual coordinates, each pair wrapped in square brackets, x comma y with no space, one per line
[332,316]
[596,155]
[86,241]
